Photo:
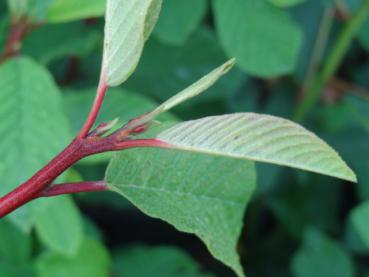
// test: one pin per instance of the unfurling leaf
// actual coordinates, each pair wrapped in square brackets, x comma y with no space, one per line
[193,90]
[128,25]
[260,138]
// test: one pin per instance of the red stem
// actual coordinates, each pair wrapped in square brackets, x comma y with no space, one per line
[78,149]
[100,95]
[70,188]
[17,32]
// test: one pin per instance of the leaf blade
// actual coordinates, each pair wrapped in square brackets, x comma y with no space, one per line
[276,140]
[128,24]
[199,194]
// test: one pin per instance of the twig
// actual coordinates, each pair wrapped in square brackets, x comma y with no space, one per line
[71,188]
[333,61]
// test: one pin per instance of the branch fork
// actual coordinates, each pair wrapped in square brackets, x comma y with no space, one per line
[86,143]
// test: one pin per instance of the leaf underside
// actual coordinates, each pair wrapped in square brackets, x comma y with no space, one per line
[128,25]
[260,138]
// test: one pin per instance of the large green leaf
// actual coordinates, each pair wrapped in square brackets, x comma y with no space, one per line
[359,222]
[261,138]
[263,38]
[74,39]
[60,226]
[178,19]
[33,127]
[320,256]
[92,260]
[163,261]
[200,194]
[68,10]
[128,25]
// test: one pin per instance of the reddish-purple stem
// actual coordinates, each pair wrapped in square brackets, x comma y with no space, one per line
[100,95]
[77,150]
[70,188]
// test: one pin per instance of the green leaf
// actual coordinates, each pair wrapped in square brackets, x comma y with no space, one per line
[260,138]
[320,256]
[128,25]
[15,246]
[72,39]
[92,260]
[256,34]
[359,220]
[178,19]
[286,3]
[60,226]
[16,270]
[68,10]
[33,130]
[34,10]
[193,90]
[199,194]
[163,261]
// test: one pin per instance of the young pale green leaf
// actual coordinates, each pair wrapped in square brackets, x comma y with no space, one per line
[32,119]
[199,194]
[261,138]
[128,25]
[193,90]
[60,226]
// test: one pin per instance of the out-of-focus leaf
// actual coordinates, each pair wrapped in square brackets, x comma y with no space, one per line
[56,11]
[321,256]
[199,194]
[256,34]
[309,17]
[178,19]
[32,119]
[92,260]
[164,69]
[295,203]
[363,31]
[359,219]
[72,39]
[164,261]
[60,226]
[68,10]
[128,25]
[286,3]
[15,246]
[16,270]
[260,138]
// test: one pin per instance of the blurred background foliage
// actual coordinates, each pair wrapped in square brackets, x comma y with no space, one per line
[297,224]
